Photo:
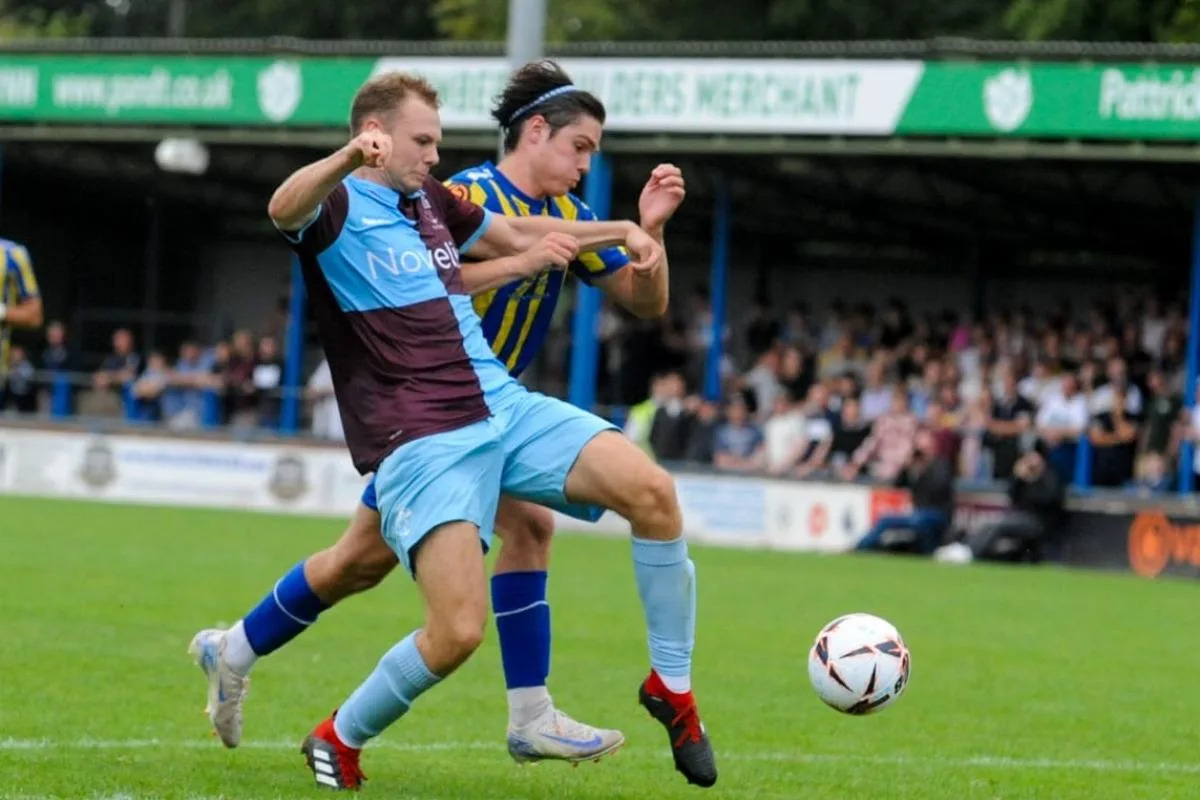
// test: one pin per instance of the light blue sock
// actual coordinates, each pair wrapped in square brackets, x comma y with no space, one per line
[387,693]
[666,581]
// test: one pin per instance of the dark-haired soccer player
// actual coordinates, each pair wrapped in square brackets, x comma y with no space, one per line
[551,130]
[20,302]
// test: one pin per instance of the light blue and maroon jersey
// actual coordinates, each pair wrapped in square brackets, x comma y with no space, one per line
[405,347]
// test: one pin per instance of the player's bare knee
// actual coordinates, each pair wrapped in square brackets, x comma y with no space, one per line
[654,507]
[466,634]
[534,530]
[525,532]
[454,639]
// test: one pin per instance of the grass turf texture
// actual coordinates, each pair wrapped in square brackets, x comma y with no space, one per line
[1026,683]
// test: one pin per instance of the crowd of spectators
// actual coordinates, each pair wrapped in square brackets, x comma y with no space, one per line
[846,393]
[838,394]
[236,382]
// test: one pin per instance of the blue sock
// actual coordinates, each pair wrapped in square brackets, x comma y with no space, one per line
[523,623]
[386,695]
[283,614]
[666,581]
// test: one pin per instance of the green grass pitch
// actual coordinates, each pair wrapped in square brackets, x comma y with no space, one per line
[1026,683]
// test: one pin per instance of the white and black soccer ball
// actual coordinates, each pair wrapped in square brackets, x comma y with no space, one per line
[859,664]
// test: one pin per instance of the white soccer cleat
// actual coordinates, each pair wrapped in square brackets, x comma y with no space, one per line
[226,688]
[555,736]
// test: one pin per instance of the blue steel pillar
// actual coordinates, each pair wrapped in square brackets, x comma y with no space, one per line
[722,221]
[1083,460]
[293,357]
[585,349]
[1186,476]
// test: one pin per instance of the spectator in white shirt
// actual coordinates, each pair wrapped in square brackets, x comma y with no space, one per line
[1118,379]
[763,382]
[785,437]
[820,431]
[1061,420]
[326,420]
[268,381]
[1039,386]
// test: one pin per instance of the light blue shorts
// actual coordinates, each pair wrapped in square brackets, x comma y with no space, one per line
[446,477]
[537,440]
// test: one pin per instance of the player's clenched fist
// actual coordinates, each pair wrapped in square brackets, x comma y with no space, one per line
[372,148]
[553,251]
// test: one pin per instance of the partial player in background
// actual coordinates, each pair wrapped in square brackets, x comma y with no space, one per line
[551,130]
[20,302]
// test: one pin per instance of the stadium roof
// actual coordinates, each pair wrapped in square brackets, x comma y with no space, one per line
[938,48]
[1033,205]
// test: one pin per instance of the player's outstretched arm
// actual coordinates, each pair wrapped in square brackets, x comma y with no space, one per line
[553,251]
[295,202]
[25,314]
[511,235]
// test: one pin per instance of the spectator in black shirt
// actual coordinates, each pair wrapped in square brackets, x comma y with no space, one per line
[672,422]
[1162,414]
[796,372]
[1037,496]
[241,400]
[121,366]
[702,432]
[1114,442]
[849,433]
[55,356]
[21,390]
[1012,417]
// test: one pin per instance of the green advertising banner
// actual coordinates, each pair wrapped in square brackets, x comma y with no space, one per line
[178,90]
[1058,101]
[730,96]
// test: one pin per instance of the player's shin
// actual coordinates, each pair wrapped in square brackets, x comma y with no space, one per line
[283,614]
[666,581]
[386,695]
[523,624]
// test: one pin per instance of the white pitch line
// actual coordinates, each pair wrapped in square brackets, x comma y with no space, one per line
[781,756]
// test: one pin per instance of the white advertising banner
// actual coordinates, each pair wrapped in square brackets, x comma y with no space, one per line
[169,471]
[734,511]
[770,96]
[761,513]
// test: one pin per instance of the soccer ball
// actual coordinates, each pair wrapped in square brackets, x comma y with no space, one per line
[859,664]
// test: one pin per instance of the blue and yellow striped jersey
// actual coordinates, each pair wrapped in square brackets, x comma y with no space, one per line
[516,316]
[17,283]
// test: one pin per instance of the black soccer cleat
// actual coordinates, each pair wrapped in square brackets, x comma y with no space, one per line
[690,746]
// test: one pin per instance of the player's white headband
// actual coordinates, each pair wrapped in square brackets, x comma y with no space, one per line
[525,109]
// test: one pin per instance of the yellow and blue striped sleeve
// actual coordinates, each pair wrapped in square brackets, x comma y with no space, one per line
[21,267]
[590,266]
[472,191]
